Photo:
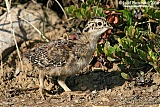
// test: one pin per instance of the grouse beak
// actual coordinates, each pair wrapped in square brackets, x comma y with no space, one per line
[109,26]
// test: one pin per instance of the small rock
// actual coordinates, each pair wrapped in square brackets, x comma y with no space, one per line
[17,71]
[94,92]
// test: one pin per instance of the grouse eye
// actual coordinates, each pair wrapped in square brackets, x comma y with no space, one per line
[99,23]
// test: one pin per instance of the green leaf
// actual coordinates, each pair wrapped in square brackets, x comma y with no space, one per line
[100,12]
[142,73]
[99,47]
[151,54]
[79,15]
[151,63]
[130,29]
[89,2]
[137,33]
[151,12]
[141,54]
[110,59]
[143,1]
[82,11]
[111,51]
[88,14]
[106,46]
[121,66]
[95,9]
[157,15]
[124,44]
[70,18]
[128,15]
[129,20]
[71,9]
[125,76]
[128,59]
[125,13]
[83,5]
[117,48]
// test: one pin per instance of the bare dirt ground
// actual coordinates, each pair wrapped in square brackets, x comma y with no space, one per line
[99,88]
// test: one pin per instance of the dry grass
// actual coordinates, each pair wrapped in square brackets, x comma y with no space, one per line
[50,2]
[43,36]
[8,5]
[2,71]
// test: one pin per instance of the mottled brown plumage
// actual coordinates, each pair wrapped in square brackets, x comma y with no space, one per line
[63,58]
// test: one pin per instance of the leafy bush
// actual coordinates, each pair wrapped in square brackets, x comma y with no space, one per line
[138,45]
[86,10]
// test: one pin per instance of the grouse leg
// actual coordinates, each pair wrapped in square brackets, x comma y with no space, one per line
[41,80]
[61,81]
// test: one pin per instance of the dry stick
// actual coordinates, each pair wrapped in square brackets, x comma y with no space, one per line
[62,9]
[21,89]
[34,1]
[47,40]
[49,1]
[2,71]
[12,30]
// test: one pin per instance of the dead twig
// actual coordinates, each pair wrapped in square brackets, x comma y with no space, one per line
[2,71]
[8,5]
[61,9]
[43,37]
[22,90]
[50,2]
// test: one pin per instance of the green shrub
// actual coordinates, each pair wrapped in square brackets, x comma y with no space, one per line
[86,10]
[138,45]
